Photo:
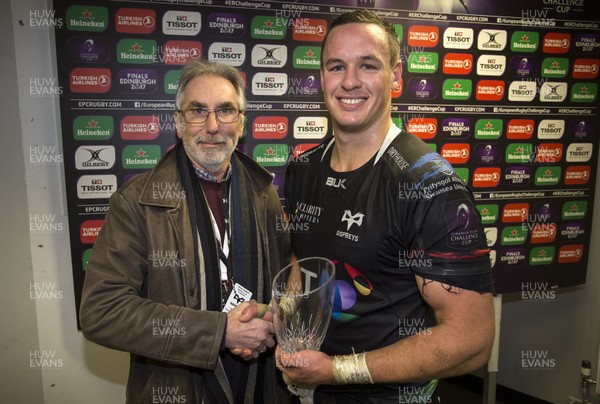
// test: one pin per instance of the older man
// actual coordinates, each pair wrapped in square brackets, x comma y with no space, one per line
[186,252]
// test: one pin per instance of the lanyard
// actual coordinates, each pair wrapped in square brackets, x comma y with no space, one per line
[223,245]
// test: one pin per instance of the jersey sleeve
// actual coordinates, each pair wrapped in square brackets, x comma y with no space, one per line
[449,236]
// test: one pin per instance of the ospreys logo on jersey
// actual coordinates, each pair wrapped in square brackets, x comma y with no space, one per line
[350,219]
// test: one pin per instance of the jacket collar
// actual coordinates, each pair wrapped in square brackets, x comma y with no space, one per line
[163,187]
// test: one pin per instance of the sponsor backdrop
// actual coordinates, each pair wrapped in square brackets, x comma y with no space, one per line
[506,93]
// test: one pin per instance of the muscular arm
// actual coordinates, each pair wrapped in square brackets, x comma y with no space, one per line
[461,342]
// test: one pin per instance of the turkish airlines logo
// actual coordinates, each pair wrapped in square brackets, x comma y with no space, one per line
[135,21]
[90,80]
[423,35]
[352,219]
[489,90]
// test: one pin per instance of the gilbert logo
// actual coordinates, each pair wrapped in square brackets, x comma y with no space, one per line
[351,219]
[491,40]
[553,92]
[95,157]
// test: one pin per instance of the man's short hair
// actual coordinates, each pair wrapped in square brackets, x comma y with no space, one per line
[199,68]
[366,16]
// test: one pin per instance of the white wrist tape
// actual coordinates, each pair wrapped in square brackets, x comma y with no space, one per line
[351,369]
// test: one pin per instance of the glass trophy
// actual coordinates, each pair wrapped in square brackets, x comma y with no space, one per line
[302,302]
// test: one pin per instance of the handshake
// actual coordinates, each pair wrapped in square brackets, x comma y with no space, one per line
[249,331]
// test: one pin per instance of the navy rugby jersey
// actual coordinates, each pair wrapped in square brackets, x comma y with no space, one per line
[405,212]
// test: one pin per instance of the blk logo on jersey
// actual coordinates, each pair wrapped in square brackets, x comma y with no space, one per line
[335,182]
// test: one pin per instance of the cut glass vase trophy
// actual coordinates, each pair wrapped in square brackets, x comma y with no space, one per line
[302,302]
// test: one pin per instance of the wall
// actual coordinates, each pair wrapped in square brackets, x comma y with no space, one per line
[565,328]
[71,368]
[19,327]
[38,260]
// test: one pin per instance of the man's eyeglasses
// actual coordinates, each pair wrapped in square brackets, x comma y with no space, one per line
[196,115]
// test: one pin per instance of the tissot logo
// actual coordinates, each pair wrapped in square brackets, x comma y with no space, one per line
[352,219]
[135,20]
[336,182]
[579,152]
[269,55]
[95,157]
[233,54]
[90,80]
[491,40]
[181,23]
[522,91]
[269,84]
[551,129]
[491,65]
[96,186]
[458,38]
[310,127]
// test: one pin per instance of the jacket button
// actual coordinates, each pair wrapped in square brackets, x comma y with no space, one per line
[191,292]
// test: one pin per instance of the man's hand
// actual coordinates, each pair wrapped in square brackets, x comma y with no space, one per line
[249,330]
[306,367]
